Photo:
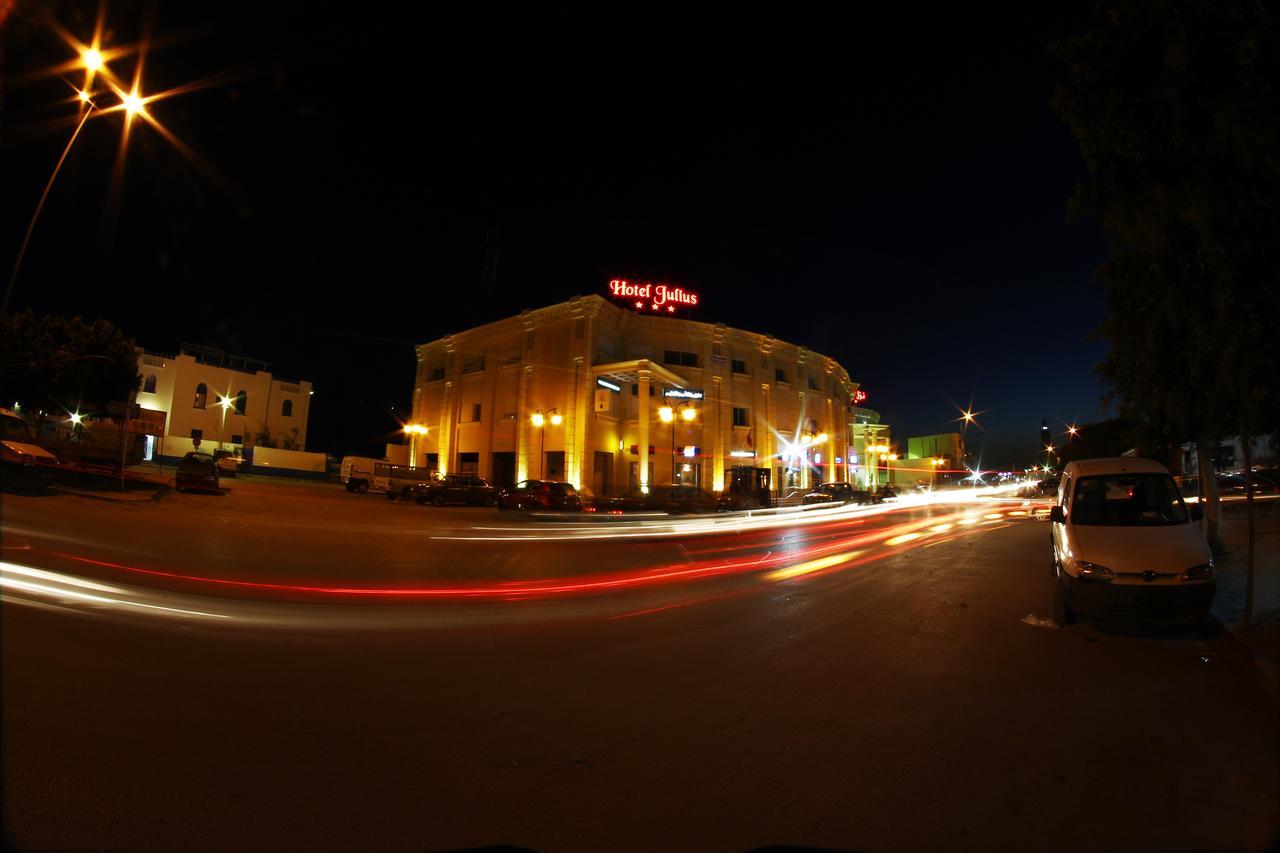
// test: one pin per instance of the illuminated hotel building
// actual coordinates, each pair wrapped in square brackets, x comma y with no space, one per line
[610,397]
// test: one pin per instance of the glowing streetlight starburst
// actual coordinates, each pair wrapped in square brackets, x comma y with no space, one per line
[132,103]
[92,59]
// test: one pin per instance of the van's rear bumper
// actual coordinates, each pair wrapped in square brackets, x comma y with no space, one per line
[1186,602]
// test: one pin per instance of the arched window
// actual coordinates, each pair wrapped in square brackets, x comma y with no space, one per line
[149,385]
[286,409]
[240,402]
[202,396]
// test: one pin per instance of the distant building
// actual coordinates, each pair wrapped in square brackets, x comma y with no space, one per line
[866,468]
[1229,454]
[185,392]
[937,457]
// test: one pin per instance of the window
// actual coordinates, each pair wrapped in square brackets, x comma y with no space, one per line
[468,463]
[237,439]
[433,461]
[197,434]
[239,401]
[635,390]
[473,365]
[740,416]
[475,412]
[436,374]
[681,359]
[1127,500]
[779,374]
[286,409]
[202,396]
[739,365]
[813,384]
[149,386]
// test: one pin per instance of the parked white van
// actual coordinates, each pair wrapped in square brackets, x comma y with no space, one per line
[356,472]
[1125,547]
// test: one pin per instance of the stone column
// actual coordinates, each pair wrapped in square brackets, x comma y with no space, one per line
[832,436]
[642,424]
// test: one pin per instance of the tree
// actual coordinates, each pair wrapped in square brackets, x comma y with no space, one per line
[1177,113]
[55,363]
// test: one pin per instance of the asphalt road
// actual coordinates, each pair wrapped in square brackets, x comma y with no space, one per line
[856,683]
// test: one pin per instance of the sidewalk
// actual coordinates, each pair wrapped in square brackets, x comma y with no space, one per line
[1263,642]
[106,484]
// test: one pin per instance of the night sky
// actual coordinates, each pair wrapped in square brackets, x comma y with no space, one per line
[890,191]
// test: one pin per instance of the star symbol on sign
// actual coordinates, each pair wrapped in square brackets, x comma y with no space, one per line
[671,309]
[654,307]
[639,304]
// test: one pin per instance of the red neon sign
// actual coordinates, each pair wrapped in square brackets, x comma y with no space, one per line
[859,396]
[656,297]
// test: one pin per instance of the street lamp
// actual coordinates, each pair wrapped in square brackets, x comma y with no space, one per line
[668,415]
[226,403]
[539,420]
[413,431]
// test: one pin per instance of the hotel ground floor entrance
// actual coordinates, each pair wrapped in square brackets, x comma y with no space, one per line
[601,473]
[504,470]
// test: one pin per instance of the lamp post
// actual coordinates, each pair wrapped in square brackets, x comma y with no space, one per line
[539,420]
[225,403]
[413,431]
[668,415]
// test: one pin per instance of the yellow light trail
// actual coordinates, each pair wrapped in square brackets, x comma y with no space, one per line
[811,566]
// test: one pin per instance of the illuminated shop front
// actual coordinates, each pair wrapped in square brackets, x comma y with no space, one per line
[610,393]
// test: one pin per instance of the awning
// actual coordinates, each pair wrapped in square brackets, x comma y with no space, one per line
[629,372]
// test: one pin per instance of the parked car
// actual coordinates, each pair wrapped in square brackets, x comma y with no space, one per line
[1234,484]
[23,463]
[672,499]
[228,462]
[839,493]
[455,489]
[197,471]
[886,493]
[1124,546]
[540,494]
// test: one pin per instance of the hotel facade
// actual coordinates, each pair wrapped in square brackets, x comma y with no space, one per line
[609,398]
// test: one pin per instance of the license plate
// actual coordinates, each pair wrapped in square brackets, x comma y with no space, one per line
[1146,599]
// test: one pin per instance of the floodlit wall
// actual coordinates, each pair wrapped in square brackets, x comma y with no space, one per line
[268,459]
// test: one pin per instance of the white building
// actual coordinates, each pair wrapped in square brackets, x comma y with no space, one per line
[187,392]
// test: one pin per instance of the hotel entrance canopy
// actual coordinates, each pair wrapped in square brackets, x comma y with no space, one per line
[629,372]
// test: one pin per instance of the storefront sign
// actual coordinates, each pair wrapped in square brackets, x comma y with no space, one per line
[742,454]
[859,397]
[683,393]
[652,297]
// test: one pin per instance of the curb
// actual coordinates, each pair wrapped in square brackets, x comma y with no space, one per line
[1251,661]
[107,496]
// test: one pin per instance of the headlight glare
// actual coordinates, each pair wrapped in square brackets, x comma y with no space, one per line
[1094,572]
[1198,573]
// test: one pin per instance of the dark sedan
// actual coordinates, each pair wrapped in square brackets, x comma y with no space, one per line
[455,489]
[549,495]
[197,472]
[673,500]
[838,493]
